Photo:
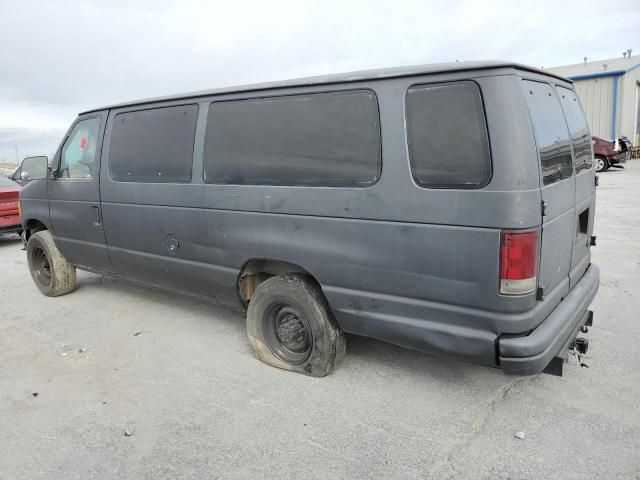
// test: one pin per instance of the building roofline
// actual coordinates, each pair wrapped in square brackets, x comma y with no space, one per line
[633,68]
[611,73]
[344,77]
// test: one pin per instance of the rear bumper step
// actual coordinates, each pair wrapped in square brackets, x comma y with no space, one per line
[531,354]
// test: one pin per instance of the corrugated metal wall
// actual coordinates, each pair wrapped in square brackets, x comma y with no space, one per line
[596,95]
[637,117]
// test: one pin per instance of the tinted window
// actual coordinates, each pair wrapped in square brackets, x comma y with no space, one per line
[323,139]
[447,136]
[550,130]
[578,128]
[153,145]
[78,159]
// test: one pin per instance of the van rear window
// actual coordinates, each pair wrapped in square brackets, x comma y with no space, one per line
[154,146]
[550,131]
[578,127]
[447,136]
[316,140]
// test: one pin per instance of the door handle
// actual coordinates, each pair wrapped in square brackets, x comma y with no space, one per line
[97,220]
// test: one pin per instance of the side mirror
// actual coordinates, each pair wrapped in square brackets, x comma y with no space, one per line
[34,168]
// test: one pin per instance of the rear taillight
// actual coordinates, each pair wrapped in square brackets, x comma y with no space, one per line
[519,261]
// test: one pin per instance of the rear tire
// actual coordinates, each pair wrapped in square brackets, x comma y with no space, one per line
[602,164]
[290,326]
[51,272]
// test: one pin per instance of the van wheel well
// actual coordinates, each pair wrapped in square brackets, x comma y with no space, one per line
[257,271]
[33,226]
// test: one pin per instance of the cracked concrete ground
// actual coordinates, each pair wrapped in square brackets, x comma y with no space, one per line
[182,376]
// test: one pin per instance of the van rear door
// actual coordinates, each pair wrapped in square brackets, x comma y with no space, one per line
[585,182]
[557,185]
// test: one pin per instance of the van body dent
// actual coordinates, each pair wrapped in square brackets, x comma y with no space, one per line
[445,208]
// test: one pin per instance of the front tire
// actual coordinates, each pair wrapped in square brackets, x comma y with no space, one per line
[602,164]
[290,326]
[51,272]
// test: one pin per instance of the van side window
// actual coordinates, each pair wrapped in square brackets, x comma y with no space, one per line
[550,131]
[447,136]
[578,128]
[154,146]
[78,158]
[316,140]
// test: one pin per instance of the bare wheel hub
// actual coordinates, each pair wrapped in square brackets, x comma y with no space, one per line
[291,331]
[287,333]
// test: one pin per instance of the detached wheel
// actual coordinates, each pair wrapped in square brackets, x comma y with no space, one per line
[291,327]
[602,165]
[51,272]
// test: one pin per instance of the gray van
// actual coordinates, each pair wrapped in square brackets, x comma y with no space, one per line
[446,208]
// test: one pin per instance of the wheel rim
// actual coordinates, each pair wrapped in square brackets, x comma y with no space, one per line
[287,333]
[41,266]
[599,164]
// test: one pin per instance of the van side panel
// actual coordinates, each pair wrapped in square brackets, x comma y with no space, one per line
[364,266]
[414,266]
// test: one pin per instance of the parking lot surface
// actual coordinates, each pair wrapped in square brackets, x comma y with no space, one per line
[120,381]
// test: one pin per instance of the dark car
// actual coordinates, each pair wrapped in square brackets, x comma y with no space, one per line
[609,154]
[336,204]
[9,209]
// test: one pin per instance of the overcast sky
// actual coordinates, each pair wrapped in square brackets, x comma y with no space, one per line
[60,57]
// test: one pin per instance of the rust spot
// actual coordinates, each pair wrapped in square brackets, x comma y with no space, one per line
[249,283]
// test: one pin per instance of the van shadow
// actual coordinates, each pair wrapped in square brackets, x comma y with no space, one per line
[90,282]
[388,360]
[363,353]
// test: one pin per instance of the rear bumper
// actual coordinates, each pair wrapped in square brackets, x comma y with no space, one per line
[530,354]
[10,223]
[620,157]
[14,229]
[624,156]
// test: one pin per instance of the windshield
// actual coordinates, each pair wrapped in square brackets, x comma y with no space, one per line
[5,182]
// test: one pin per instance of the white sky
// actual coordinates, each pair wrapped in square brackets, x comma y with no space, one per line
[60,57]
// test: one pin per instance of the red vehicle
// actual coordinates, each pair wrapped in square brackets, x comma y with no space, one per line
[9,212]
[610,154]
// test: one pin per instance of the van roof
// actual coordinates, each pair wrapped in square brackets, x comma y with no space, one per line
[344,77]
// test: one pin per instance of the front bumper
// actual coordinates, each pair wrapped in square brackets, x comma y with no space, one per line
[530,354]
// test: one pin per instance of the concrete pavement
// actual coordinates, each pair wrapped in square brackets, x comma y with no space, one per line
[180,375]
